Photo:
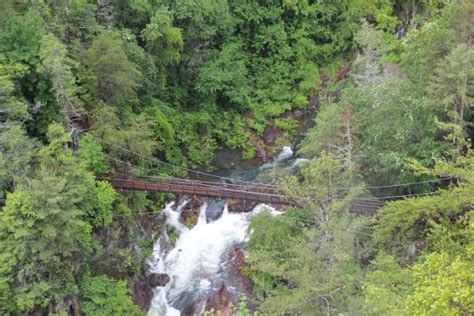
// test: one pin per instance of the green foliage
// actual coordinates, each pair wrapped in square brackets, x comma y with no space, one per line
[191,222]
[122,140]
[440,226]
[42,230]
[90,155]
[440,222]
[400,129]
[15,159]
[113,77]
[103,206]
[173,235]
[442,285]
[162,39]
[386,287]
[177,79]
[304,260]
[226,76]
[379,121]
[56,65]
[21,38]
[104,296]
[20,43]
[241,309]
[452,91]
[387,125]
[11,109]
[271,237]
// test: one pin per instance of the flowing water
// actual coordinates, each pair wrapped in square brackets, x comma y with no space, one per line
[197,264]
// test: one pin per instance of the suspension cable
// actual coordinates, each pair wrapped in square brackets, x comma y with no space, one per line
[260,184]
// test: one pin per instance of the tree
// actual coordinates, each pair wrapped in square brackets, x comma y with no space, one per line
[443,285]
[11,108]
[43,229]
[132,142]
[114,78]
[433,236]
[56,64]
[336,132]
[386,286]
[226,76]
[102,214]
[419,220]
[16,147]
[17,153]
[308,264]
[102,295]
[452,93]
[162,38]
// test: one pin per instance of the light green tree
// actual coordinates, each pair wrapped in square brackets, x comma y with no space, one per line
[443,285]
[56,64]
[104,296]
[162,38]
[308,265]
[114,78]
[451,93]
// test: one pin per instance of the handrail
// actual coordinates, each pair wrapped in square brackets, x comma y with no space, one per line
[191,187]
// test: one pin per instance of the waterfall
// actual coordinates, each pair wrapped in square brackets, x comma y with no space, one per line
[285,153]
[196,264]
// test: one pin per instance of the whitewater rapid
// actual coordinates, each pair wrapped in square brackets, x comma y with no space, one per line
[196,264]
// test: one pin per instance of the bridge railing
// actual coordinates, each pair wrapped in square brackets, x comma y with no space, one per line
[192,187]
[251,188]
[196,188]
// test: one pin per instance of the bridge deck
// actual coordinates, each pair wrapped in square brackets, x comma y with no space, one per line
[360,206]
[230,193]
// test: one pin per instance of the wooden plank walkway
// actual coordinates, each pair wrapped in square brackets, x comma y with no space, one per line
[190,189]
[229,191]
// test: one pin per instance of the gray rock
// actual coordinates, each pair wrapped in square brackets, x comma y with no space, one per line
[158,279]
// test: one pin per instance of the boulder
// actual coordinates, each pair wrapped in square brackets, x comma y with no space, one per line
[196,203]
[270,134]
[158,279]
[190,213]
[214,210]
[240,206]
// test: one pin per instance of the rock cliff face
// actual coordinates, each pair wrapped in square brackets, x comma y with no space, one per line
[220,302]
[142,293]
[236,263]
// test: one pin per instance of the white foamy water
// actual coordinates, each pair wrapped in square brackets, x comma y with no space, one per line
[196,263]
[285,153]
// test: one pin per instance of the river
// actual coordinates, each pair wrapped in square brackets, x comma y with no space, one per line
[198,263]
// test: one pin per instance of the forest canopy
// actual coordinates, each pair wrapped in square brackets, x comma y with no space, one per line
[95,87]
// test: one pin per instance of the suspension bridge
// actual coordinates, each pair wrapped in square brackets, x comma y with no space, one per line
[224,188]
[229,188]
[250,192]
